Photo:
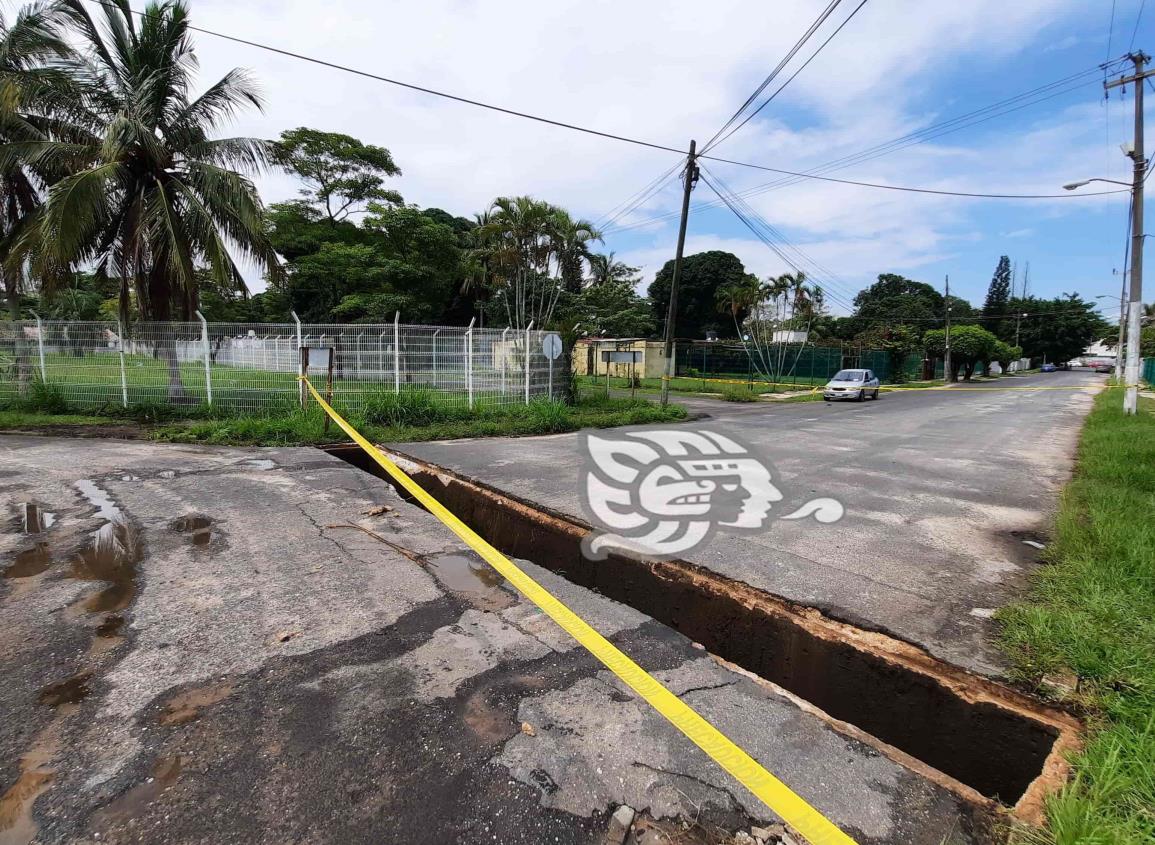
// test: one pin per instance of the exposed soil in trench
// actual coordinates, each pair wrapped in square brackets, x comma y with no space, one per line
[985,741]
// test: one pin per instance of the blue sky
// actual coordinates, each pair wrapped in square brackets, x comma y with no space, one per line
[673,70]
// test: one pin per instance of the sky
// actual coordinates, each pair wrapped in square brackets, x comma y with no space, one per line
[670,71]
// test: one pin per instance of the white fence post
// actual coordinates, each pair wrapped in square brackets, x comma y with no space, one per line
[469,362]
[504,361]
[397,352]
[208,360]
[527,328]
[435,333]
[40,346]
[123,375]
[300,360]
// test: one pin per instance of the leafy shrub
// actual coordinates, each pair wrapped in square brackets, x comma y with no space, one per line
[44,397]
[549,416]
[735,393]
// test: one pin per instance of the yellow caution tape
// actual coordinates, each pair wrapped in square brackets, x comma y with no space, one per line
[817,829]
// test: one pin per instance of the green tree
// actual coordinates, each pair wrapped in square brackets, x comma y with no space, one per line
[150,194]
[969,346]
[342,175]
[897,300]
[997,304]
[898,341]
[1004,353]
[605,268]
[609,309]
[702,276]
[1059,329]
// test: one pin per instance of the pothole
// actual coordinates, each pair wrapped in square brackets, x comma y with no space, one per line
[982,740]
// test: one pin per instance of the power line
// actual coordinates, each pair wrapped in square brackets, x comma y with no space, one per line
[625,207]
[946,127]
[766,102]
[778,69]
[1138,18]
[1111,29]
[599,133]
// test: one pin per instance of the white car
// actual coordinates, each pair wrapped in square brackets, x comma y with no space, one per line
[851,384]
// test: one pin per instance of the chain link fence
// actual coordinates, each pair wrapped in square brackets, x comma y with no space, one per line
[254,367]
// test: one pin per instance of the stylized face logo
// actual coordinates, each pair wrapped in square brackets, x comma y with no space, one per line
[664,492]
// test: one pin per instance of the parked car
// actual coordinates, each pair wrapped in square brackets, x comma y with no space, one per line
[1047,368]
[1103,367]
[851,384]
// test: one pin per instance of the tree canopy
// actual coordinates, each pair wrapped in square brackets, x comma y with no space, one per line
[342,175]
[701,278]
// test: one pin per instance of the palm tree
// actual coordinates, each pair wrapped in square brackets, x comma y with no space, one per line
[27,48]
[571,241]
[604,269]
[151,195]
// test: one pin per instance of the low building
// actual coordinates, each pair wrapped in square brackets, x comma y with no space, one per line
[620,358]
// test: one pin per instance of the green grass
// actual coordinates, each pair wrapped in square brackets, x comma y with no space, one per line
[686,384]
[36,419]
[1091,611]
[419,422]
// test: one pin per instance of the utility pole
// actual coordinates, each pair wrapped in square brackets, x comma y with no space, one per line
[946,371]
[690,178]
[1135,304]
[1122,323]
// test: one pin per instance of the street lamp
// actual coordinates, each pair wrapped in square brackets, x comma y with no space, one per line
[1070,186]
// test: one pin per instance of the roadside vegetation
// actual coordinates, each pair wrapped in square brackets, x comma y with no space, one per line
[410,415]
[1091,613]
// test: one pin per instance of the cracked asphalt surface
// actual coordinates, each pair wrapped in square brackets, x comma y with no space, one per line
[286,651]
[940,489]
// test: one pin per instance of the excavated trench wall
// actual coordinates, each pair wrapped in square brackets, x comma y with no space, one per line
[993,741]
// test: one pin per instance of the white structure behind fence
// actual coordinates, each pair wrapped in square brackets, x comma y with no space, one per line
[254,366]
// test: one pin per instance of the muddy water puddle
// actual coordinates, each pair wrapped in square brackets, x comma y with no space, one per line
[17,826]
[473,580]
[33,520]
[136,801]
[111,556]
[188,705]
[69,691]
[197,526]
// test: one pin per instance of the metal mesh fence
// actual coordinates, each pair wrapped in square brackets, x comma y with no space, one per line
[253,367]
[797,364]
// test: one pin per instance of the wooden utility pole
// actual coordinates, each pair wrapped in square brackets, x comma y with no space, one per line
[690,178]
[1135,303]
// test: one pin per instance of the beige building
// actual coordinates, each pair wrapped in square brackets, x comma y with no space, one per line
[620,358]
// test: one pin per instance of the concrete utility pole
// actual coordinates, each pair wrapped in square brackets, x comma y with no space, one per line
[1135,305]
[1122,323]
[689,180]
[946,372]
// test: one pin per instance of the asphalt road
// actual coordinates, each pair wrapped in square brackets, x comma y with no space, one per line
[199,646]
[940,488]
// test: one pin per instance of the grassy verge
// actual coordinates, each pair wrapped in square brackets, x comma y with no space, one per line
[1091,611]
[412,415]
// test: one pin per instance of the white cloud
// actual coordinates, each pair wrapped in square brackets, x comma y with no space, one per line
[662,71]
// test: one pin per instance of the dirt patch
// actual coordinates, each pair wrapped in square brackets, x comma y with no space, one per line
[188,705]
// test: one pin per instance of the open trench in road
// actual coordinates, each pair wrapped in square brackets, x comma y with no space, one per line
[986,742]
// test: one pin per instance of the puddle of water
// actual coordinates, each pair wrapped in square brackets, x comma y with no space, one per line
[111,626]
[186,706]
[17,826]
[35,519]
[261,463]
[198,525]
[99,499]
[133,803]
[30,562]
[69,691]
[473,580]
[112,556]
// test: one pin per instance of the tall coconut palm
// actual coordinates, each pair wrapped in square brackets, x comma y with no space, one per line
[570,241]
[152,195]
[29,49]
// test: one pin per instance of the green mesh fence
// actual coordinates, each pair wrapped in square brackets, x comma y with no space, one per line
[1148,371]
[802,365]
